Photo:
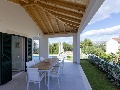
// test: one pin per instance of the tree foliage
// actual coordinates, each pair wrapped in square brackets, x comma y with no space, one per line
[87,47]
[53,48]
[67,47]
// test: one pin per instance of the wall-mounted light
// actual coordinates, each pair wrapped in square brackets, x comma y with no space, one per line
[38,34]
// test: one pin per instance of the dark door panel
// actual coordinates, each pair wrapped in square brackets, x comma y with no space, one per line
[6,55]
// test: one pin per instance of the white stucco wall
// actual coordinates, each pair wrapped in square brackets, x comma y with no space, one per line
[112,46]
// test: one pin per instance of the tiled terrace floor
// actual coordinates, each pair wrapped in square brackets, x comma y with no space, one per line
[72,79]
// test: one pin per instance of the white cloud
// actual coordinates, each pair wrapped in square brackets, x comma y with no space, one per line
[106,31]
[105,11]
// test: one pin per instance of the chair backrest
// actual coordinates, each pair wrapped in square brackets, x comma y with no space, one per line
[60,68]
[41,59]
[62,62]
[33,74]
[36,61]
[30,63]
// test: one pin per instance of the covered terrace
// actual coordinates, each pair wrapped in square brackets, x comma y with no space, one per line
[28,20]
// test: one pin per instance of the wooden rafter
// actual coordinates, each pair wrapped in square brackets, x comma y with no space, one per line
[65,16]
[67,21]
[49,21]
[57,9]
[38,15]
[40,26]
[26,1]
[70,25]
[20,1]
[53,8]
[44,18]
[64,27]
[57,25]
[71,5]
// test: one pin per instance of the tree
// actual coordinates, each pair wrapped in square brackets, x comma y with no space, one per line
[101,46]
[53,48]
[67,47]
[86,46]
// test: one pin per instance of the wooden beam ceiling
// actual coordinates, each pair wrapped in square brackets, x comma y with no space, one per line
[55,16]
[71,5]
[60,15]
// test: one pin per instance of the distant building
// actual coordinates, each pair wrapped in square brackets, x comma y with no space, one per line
[113,45]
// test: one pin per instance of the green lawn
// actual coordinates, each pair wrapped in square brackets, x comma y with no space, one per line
[70,58]
[96,78]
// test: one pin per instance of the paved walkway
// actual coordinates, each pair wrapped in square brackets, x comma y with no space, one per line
[71,80]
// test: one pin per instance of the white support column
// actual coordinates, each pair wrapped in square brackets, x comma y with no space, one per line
[44,50]
[76,48]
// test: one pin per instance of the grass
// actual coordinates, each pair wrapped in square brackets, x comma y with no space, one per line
[96,78]
[70,58]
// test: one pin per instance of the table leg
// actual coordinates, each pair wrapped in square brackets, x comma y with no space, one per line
[45,77]
[48,80]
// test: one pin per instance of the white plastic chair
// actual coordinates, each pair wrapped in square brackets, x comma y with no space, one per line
[56,72]
[62,66]
[34,76]
[30,63]
[42,59]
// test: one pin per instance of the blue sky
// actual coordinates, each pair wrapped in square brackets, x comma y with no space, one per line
[104,25]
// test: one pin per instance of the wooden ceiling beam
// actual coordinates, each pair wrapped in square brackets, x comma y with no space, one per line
[53,8]
[30,14]
[66,21]
[40,19]
[69,21]
[64,27]
[26,1]
[70,25]
[65,17]
[20,1]
[49,21]
[71,5]
[57,25]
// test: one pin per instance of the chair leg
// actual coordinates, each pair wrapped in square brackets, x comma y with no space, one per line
[58,83]
[39,85]
[27,85]
[62,70]
[45,77]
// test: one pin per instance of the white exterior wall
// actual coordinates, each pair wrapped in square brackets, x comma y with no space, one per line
[44,48]
[112,46]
